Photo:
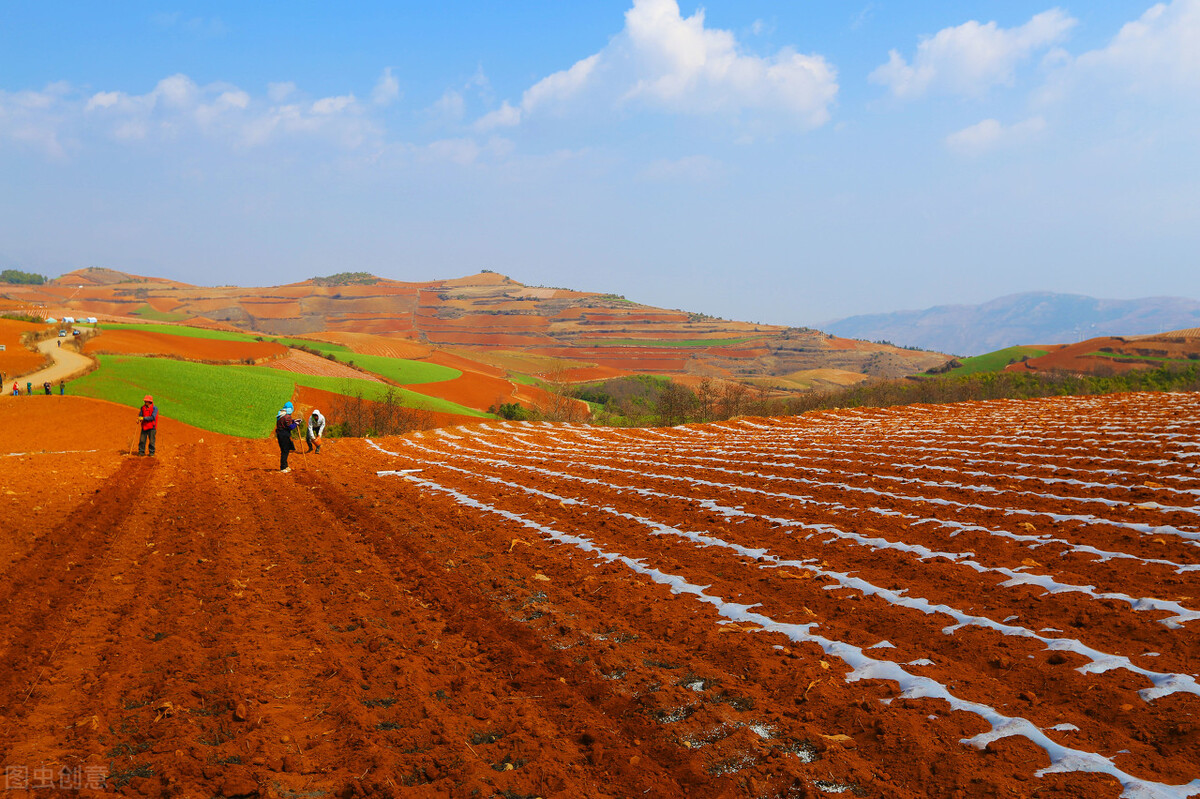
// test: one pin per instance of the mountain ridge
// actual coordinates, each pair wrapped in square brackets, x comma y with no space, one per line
[1036,317]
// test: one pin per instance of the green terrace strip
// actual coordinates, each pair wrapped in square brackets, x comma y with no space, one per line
[524,379]
[312,344]
[654,343]
[400,370]
[182,330]
[235,400]
[995,361]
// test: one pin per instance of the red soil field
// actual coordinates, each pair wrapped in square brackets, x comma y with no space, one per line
[371,344]
[986,599]
[144,342]
[308,398]
[586,374]
[15,359]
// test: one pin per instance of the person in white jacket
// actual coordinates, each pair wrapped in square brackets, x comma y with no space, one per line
[316,429]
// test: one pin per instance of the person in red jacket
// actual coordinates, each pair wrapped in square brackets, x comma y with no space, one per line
[148,416]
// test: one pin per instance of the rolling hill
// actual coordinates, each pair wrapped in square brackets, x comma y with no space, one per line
[490,319]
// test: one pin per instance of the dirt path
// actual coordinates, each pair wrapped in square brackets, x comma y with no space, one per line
[67,364]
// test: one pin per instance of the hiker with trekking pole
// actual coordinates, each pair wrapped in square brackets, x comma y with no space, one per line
[284,426]
[148,422]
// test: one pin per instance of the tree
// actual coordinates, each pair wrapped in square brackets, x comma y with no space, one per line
[676,405]
[18,277]
[560,406]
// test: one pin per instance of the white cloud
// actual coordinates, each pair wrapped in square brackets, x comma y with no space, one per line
[450,107]
[1156,54]
[971,58]
[990,134]
[224,112]
[665,62]
[505,116]
[387,89]
[334,105]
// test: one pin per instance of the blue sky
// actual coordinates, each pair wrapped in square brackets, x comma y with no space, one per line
[775,161]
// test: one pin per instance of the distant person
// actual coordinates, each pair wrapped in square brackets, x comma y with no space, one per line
[148,416]
[316,428]
[46,387]
[16,390]
[284,425]
[62,387]
[29,388]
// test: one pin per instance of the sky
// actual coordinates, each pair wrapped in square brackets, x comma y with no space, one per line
[775,161]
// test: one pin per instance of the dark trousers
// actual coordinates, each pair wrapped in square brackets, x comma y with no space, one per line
[147,437]
[286,445]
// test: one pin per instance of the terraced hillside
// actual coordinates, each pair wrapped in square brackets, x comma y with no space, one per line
[487,315]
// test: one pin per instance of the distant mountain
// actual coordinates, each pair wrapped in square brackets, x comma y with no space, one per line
[1030,318]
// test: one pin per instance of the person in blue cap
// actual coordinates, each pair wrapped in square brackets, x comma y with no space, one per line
[284,425]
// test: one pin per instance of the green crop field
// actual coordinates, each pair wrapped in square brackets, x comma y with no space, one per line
[180,330]
[524,379]
[400,370]
[995,361]
[312,344]
[235,400]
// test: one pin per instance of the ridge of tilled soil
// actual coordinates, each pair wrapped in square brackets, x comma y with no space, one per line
[565,611]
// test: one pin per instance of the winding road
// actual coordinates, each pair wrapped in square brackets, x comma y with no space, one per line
[67,363]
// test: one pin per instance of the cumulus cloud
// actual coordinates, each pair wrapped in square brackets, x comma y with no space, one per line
[971,58]
[1157,54]
[387,89]
[665,62]
[177,106]
[990,134]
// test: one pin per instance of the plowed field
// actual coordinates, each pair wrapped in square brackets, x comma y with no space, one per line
[148,342]
[985,599]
